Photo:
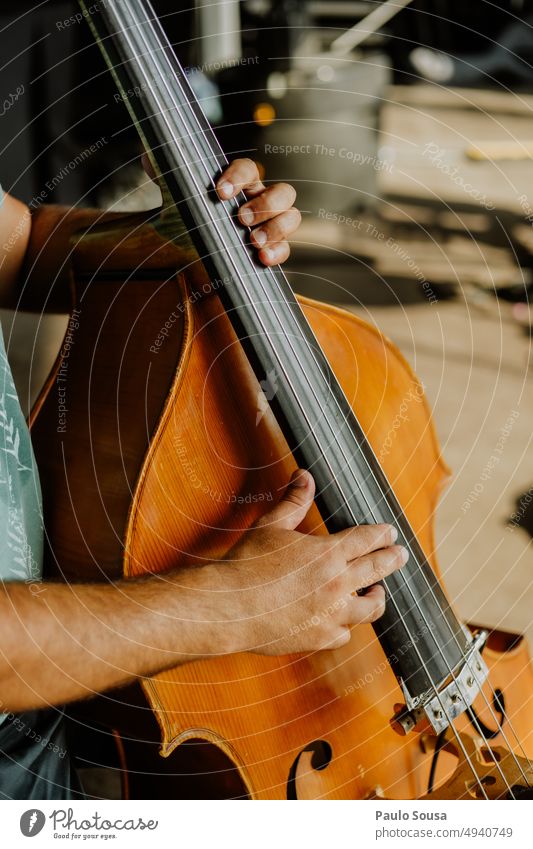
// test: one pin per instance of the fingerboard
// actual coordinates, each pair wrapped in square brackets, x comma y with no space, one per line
[312,410]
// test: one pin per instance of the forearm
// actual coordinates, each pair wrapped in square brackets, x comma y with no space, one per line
[15,229]
[36,249]
[60,643]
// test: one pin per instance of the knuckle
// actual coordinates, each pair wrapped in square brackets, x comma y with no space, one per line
[286,224]
[296,217]
[277,228]
[388,561]
[365,569]
[356,540]
[331,544]
[375,536]
[329,561]
[333,586]
[274,231]
[284,252]
[382,565]
[244,167]
[327,572]
[379,608]
[243,209]
[370,536]
[341,639]
[288,189]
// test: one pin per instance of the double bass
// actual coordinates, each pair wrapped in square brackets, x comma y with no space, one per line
[195,382]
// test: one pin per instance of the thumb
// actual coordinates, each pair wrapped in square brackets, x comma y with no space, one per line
[295,504]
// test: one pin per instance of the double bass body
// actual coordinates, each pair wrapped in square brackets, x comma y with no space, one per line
[169,451]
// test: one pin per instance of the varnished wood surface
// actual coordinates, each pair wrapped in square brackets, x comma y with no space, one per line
[165,462]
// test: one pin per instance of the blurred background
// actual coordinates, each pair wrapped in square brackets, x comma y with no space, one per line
[409,138]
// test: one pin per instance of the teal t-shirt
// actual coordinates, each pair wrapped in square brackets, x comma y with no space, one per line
[21,517]
[21,523]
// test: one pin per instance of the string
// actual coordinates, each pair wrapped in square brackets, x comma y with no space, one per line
[399,612]
[392,598]
[401,617]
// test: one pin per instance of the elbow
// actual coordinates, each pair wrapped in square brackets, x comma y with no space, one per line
[15,694]
[19,660]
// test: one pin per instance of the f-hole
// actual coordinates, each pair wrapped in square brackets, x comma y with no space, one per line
[321,755]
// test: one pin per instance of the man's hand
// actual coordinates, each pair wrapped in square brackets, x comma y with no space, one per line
[291,592]
[278,591]
[269,213]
